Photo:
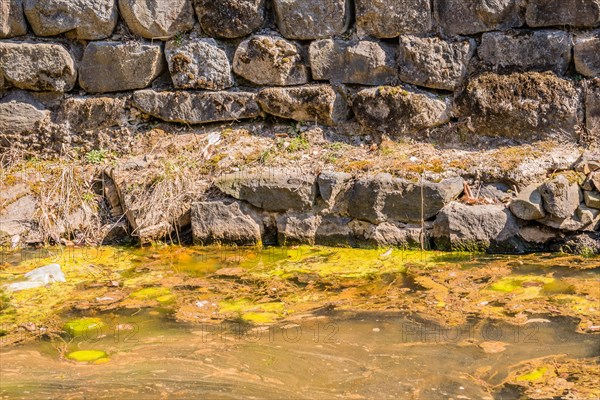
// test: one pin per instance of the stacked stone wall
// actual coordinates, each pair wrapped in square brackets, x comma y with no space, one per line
[82,72]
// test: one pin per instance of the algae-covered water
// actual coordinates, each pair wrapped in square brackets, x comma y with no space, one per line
[302,322]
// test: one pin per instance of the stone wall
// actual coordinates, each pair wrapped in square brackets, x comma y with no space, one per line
[82,73]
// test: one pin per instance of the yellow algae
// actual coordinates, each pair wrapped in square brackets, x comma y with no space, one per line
[87,356]
[83,326]
[533,375]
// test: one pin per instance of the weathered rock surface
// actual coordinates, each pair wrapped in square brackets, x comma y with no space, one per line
[592,199]
[272,190]
[313,103]
[17,213]
[434,62]
[297,228]
[12,19]
[387,233]
[197,108]
[18,117]
[467,17]
[91,113]
[561,197]
[269,60]
[385,198]
[311,19]
[528,204]
[592,110]
[526,51]
[335,231]
[474,228]
[198,64]
[331,185]
[595,178]
[584,219]
[36,67]
[587,54]
[579,13]
[114,66]
[157,19]
[81,19]
[527,106]
[580,243]
[230,18]
[395,111]
[365,62]
[390,18]
[224,223]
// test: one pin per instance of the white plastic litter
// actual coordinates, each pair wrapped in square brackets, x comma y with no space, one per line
[39,277]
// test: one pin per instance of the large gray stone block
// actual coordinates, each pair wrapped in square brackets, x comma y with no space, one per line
[115,66]
[224,222]
[468,17]
[36,66]
[312,19]
[390,18]
[587,54]
[12,19]
[579,13]
[230,18]
[197,108]
[157,19]
[81,19]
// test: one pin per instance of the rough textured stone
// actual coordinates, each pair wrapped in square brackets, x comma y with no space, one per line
[18,117]
[12,19]
[592,111]
[157,19]
[312,19]
[81,19]
[272,190]
[528,204]
[390,18]
[595,178]
[224,223]
[584,219]
[313,103]
[395,111]
[114,67]
[580,243]
[331,185]
[467,17]
[230,18]
[561,197]
[526,51]
[538,234]
[364,62]
[384,198]
[17,215]
[198,64]
[474,228]
[592,199]
[334,231]
[37,67]
[297,228]
[197,108]
[92,113]
[580,13]
[269,60]
[587,54]
[387,233]
[434,62]
[527,106]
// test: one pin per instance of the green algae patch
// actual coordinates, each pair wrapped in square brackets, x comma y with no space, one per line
[257,313]
[83,327]
[150,293]
[89,356]
[532,376]
[519,284]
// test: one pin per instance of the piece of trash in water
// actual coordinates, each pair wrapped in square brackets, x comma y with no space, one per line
[39,277]
[387,253]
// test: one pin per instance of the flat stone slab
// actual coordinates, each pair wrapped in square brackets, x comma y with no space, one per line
[17,117]
[545,50]
[365,62]
[395,111]
[82,19]
[578,13]
[311,103]
[157,19]
[312,19]
[230,18]
[38,67]
[197,107]
[224,222]
[269,60]
[115,66]
[587,54]
[433,62]
[468,17]
[390,18]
